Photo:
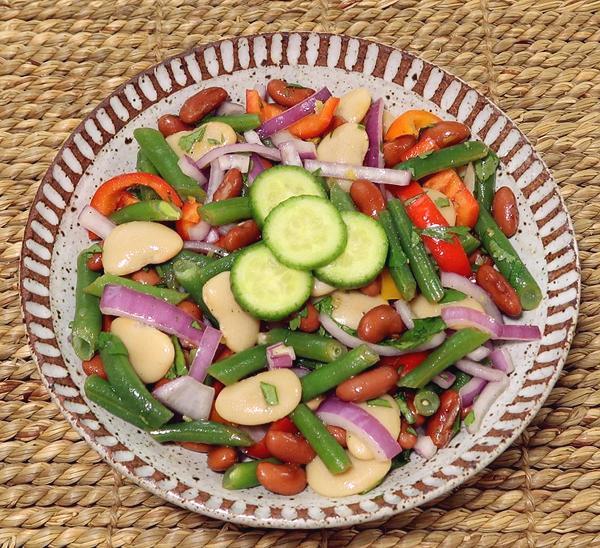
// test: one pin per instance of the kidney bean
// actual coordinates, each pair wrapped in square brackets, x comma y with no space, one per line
[501,292]
[191,308]
[406,439]
[368,385]
[230,187]
[310,323]
[240,236]
[200,104]
[367,197]
[505,211]
[286,95]
[373,289]
[393,150]
[94,367]
[445,134]
[168,124]
[439,427]
[195,446]
[338,433]
[221,458]
[146,277]
[106,322]
[290,448]
[94,262]
[378,323]
[283,479]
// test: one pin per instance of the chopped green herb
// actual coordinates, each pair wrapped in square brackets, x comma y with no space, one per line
[297,319]
[324,305]
[401,459]
[422,331]
[452,295]
[411,430]
[444,232]
[269,393]
[379,402]
[196,324]
[405,411]
[187,141]
[360,126]
[470,418]
[212,141]
[179,367]
[442,202]
[486,167]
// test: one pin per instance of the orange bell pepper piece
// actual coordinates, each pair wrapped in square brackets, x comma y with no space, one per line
[189,217]
[254,101]
[451,185]
[410,123]
[269,110]
[315,124]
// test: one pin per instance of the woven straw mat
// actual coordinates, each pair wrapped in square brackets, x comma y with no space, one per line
[539,60]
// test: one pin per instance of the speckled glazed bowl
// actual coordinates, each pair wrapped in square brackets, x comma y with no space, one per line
[102,146]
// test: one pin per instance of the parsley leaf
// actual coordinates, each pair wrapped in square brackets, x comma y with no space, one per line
[442,202]
[179,367]
[294,323]
[187,141]
[423,330]
[452,295]
[445,233]
[324,305]
[470,418]
[486,167]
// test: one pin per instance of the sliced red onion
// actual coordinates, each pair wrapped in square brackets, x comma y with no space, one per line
[289,154]
[257,433]
[256,167]
[479,353]
[405,313]
[396,177]
[466,286]
[251,136]
[231,161]
[205,247]
[188,167]
[215,179]
[338,333]
[425,447]
[199,231]
[485,400]
[445,379]
[118,300]
[280,356]
[457,317]
[281,137]
[374,128]
[306,149]
[224,229]
[300,371]
[293,114]
[228,108]
[520,333]
[217,152]
[470,391]
[468,177]
[480,371]
[186,396]
[356,420]
[212,236]
[205,354]
[91,219]
[502,361]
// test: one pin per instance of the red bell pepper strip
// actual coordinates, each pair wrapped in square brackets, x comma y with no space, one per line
[259,449]
[126,199]
[448,254]
[189,218]
[439,427]
[450,184]
[314,125]
[107,197]
[411,122]
[405,363]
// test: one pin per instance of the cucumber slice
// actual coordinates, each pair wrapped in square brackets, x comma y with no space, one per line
[276,184]
[305,232]
[264,287]
[364,256]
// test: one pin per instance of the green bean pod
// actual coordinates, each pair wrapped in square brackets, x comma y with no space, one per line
[144,165]
[209,432]
[150,210]
[238,122]
[243,474]
[228,211]
[469,242]
[340,198]
[307,345]
[170,295]
[87,323]
[485,179]
[240,365]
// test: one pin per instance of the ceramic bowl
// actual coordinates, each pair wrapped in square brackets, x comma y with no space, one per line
[102,146]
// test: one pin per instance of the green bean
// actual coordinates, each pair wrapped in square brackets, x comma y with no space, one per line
[308,345]
[452,295]
[485,179]
[320,439]
[240,365]
[508,261]
[397,260]
[340,198]
[426,402]
[87,323]
[101,393]
[127,385]
[455,156]
[460,381]
[226,211]
[167,274]
[308,364]
[170,295]
[144,165]
[427,278]
[243,474]
[212,433]
[150,210]
[238,122]
[469,242]
[157,150]
[451,350]
[326,378]
[405,411]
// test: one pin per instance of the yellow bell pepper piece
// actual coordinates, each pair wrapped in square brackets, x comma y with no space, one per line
[389,291]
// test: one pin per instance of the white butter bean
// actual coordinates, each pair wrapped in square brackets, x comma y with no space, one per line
[239,329]
[134,245]
[422,308]
[350,306]
[363,475]
[388,120]
[354,105]
[346,144]
[215,134]
[387,416]
[443,204]
[151,352]
[244,402]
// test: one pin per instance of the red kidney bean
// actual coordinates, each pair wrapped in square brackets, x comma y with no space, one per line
[501,292]
[368,385]
[372,289]
[505,211]
[290,448]
[168,124]
[94,262]
[94,366]
[201,104]
[240,236]
[380,322]
[146,277]
[221,458]
[446,134]
[338,433]
[393,150]
[283,479]
[367,197]
[288,96]
[230,187]
[310,323]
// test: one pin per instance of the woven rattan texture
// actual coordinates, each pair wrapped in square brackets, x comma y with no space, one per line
[538,59]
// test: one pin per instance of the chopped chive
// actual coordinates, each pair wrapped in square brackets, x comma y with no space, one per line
[442,202]
[269,393]
[379,402]
[470,418]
